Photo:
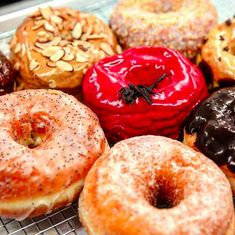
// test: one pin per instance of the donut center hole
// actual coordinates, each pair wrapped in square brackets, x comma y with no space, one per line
[32,130]
[163,6]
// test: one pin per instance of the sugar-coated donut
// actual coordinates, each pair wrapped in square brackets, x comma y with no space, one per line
[53,48]
[48,142]
[145,90]
[124,188]
[218,53]
[210,128]
[178,24]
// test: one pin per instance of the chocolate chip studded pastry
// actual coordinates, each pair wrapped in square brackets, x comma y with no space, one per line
[53,48]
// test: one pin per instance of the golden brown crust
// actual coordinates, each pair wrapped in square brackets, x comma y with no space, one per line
[190,140]
[180,24]
[53,48]
[218,51]
[122,184]
[39,179]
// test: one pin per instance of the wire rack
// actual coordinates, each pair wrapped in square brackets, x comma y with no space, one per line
[66,221]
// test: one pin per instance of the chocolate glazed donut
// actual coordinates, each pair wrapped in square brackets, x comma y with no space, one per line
[211,129]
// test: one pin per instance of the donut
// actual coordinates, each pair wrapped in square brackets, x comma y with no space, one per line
[146,90]
[7,75]
[125,189]
[48,142]
[53,48]
[218,54]
[180,24]
[211,130]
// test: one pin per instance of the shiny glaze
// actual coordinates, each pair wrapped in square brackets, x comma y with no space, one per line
[34,181]
[173,99]
[214,123]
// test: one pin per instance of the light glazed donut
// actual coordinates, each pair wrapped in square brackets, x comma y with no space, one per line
[48,142]
[218,53]
[124,184]
[53,48]
[178,24]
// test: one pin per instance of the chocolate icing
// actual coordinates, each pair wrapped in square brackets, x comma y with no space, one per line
[214,123]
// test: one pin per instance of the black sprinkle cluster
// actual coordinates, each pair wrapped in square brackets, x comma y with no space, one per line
[132,92]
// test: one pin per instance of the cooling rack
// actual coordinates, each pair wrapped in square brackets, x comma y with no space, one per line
[66,221]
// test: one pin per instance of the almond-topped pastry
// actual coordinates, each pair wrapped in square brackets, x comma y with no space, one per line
[53,48]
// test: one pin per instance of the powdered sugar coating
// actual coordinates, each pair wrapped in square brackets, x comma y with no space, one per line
[123,183]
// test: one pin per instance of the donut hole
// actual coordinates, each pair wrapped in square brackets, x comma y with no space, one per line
[163,6]
[167,194]
[32,130]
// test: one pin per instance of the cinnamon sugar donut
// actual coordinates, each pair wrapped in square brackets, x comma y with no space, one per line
[124,188]
[53,48]
[48,142]
[178,24]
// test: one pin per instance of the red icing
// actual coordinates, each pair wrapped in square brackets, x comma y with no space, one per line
[173,99]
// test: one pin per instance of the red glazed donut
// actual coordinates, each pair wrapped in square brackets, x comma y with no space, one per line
[125,187]
[148,90]
[48,142]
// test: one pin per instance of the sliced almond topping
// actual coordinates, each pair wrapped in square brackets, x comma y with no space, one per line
[84,37]
[89,30]
[82,53]
[46,12]
[17,66]
[96,36]
[56,41]
[80,58]
[38,50]
[57,56]
[77,31]
[64,66]
[67,50]
[43,39]
[50,51]
[17,48]
[119,49]
[63,43]
[49,27]
[56,19]
[68,57]
[51,64]
[52,84]
[42,34]
[38,24]
[34,65]
[23,50]
[106,48]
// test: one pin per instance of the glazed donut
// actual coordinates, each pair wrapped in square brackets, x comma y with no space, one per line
[48,142]
[7,75]
[54,47]
[218,53]
[179,24]
[211,130]
[126,186]
[146,90]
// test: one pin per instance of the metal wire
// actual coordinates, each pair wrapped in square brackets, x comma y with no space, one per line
[65,221]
